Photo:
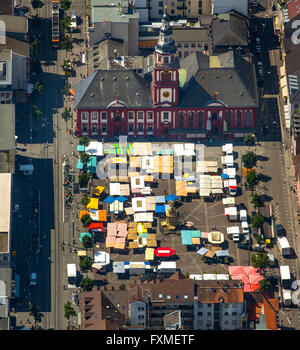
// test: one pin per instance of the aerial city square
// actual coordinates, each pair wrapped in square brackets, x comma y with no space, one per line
[149,165]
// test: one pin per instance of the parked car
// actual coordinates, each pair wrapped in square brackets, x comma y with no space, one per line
[236,237]
[33,279]
[279,230]
[245,227]
[257,40]
[258,48]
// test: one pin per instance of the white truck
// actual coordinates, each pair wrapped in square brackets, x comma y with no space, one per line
[233,233]
[285,277]
[231,213]
[71,270]
[284,246]
[26,169]
[73,25]
[166,267]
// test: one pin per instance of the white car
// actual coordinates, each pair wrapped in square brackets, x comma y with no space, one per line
[245,227]
[236,237]
[259,64]
[33,279]
[257,40]
[233,191]
[243,215]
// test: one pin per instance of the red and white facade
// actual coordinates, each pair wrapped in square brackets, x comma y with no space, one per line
[166,118]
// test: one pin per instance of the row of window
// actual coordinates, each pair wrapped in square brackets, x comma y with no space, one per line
[209,323]
[140,128]
[188,44]
[190,116]
[225,314]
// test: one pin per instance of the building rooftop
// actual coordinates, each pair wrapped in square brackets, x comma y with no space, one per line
[17,46]
[5,204]
[5,293]
[104,87]
[15,24]
[98,313]
[111,13]
[228,74]
[7,7]
[190,34]
[7,131]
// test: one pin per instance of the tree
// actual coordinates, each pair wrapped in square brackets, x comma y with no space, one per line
[257,220]
[85,200]
[257,201]
[83,179]
[65,23]
[84,157]
[86,220]
[69,311]
[249,140]
[34,311]
[66,90]
[252,179]
[249,159]
[87,242]
[36,45]
[36,111]
[37,4]
[187,275]
[38,88]
[85,263]
[87,284]
[122,286]
[84,140]
[66,114]
[65,4]
[264,284]
[260,260]
[66,44]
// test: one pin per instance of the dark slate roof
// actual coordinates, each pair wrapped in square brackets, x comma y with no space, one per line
[230,30]
[101,88]
[229,74]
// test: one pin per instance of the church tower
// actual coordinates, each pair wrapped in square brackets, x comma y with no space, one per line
[165,77]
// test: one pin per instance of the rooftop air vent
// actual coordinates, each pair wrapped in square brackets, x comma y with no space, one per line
[127,78]
[217,77]
[92,94]
[229,76]
[114,78]
[102,78]
[241,94]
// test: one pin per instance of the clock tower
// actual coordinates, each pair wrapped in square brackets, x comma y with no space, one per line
[165,78]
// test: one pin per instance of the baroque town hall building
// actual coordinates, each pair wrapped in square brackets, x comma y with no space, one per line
[201,96]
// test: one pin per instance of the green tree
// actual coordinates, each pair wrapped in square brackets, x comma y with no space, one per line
[65,4]
[66,90]
[85,200]
[37,4]
[87,284]
[36,111]
[257,220]
[260,260]
[84,140]
[38,88]
[34,311]
[87,242]
[86,220]
[249,140]
[122,286]
[187,275]
[69,311]
[66,114]
[85,263]
[36,45]
[252,179]
[264,284]
[83,179]
[65,23]
[249,159]
[66,44]
[257,201]
[84,157]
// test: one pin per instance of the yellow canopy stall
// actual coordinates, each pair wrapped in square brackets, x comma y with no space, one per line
[149,254]
[93,203]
